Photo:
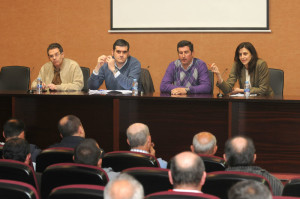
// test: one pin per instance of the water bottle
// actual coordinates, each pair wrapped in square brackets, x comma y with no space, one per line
[135,87]
[39,86]
[247,89]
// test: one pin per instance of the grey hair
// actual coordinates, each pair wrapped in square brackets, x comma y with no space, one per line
[137,188]
[204,148]
[138,138]
[249,189]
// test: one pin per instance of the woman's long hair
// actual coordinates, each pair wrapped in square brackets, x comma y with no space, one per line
[252,62]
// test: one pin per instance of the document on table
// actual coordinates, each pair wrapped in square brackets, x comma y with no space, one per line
[105,92]
[242,95]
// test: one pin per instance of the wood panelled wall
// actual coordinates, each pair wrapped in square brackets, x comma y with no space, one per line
[28,27]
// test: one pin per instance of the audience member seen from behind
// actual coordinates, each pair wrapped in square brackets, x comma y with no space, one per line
[249,189]
[60,73]
[88,152]
[240,156]
[15,128]
[71,131]
[117,70]
[186,74]
[139,140]
[17,149]
[187,172]
[204,143]
[246,67]
[124,187]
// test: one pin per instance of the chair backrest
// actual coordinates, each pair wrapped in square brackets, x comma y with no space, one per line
[1,147]
[218,183]
[53,156]
[10,189]
[292,188]
[212,79]
[18,171]
[71,173]
[276,81]
[77,191]
[86,75]
[15,78]
[179,195]
[120,160]
[145,82]
[153,179]
[213,163]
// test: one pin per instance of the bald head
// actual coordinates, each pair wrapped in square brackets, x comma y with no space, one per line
[137,134]
[70,125]
[239,144]
[204,143]
[239,151]
[187,170]
[186,160]
[124,187]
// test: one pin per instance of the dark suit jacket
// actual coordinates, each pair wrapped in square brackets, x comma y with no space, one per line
[70,142]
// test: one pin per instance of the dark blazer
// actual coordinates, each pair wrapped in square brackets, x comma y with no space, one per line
[70,142]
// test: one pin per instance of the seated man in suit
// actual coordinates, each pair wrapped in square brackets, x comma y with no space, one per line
[187,172]
[124,187]
[249,189]
[88,152]
[59,73]
[17,149]
[71,131]
[240,156]
[204,143]
[15,128]
[117,70]
[186,74]
[139,140]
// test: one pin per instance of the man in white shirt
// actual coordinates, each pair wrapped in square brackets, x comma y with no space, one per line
[139,140]
[187,172]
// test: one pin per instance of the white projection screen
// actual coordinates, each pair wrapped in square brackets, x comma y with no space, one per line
[147,15]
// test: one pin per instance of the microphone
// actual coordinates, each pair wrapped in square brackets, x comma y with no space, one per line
[220,94]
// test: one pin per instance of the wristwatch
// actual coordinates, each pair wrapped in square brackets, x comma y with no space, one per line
[115,71]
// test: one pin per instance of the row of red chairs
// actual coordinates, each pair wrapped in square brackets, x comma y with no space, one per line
[146,176]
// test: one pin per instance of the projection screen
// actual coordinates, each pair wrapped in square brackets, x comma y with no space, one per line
[189,15]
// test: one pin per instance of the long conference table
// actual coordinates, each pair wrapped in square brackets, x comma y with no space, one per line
[273,123]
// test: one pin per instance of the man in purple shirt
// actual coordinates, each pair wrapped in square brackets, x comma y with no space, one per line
[186,74]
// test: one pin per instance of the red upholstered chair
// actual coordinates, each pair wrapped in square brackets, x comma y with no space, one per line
[53,156]
[77,191]
[10,189]
[292,188]
[179,195]
[219,182]
[18,171]
[120,160]
[153,179]
[213,163]
[71,173]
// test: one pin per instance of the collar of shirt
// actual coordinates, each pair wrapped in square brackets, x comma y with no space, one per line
[139,150]
[188,66]
[121,66]
[187,190]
